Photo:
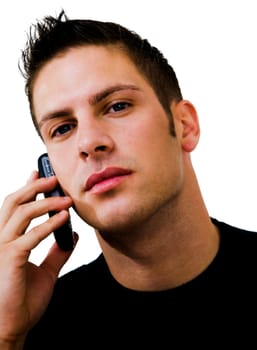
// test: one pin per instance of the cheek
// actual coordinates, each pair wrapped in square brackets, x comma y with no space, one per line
[63,169]
[152,145]
[146,135]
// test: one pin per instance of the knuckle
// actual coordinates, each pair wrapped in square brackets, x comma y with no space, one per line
[10,199]
[22,211]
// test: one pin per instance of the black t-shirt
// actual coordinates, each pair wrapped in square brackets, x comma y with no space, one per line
[91,310]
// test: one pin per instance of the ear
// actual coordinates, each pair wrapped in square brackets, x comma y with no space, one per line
[186,124]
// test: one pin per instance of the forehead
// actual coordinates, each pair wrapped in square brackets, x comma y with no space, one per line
[85,58]
[81,71]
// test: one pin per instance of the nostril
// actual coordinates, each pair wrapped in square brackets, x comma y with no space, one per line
[84,154]
[100,148]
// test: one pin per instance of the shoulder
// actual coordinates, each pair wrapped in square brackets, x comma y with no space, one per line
[229,231]
[237,243]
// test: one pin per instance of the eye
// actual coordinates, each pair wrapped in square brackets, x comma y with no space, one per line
[119,106]
[62,129]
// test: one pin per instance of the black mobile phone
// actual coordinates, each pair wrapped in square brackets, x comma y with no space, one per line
[63,235]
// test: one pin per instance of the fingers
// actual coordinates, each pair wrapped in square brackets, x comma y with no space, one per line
[34,236]
[25,213]
[25,194]
[29,191]
[20,208]
[33,177]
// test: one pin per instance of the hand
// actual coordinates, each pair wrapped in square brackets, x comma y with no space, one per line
[25,289]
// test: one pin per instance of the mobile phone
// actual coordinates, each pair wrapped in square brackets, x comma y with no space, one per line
[64,235]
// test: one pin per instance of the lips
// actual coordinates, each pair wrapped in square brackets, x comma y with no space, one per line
[108,173]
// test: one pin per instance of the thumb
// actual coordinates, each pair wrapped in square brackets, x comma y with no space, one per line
[56,258]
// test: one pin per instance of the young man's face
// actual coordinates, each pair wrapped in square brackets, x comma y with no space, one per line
[107,136]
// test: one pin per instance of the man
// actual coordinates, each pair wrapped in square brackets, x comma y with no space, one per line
[119,134]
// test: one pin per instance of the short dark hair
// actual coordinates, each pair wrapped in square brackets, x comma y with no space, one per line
[54,35]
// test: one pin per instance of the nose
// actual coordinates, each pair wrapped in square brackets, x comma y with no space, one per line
[94,140]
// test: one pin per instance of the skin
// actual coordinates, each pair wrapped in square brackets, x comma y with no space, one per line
[151,221]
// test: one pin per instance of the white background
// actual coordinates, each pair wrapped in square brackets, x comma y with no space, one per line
[212,46]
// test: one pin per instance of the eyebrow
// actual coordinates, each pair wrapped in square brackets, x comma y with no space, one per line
[98,97]
[93,100]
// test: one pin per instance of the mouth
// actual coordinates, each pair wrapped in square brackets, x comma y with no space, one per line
[106,180]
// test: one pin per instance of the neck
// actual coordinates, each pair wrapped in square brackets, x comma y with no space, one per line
[159,257]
